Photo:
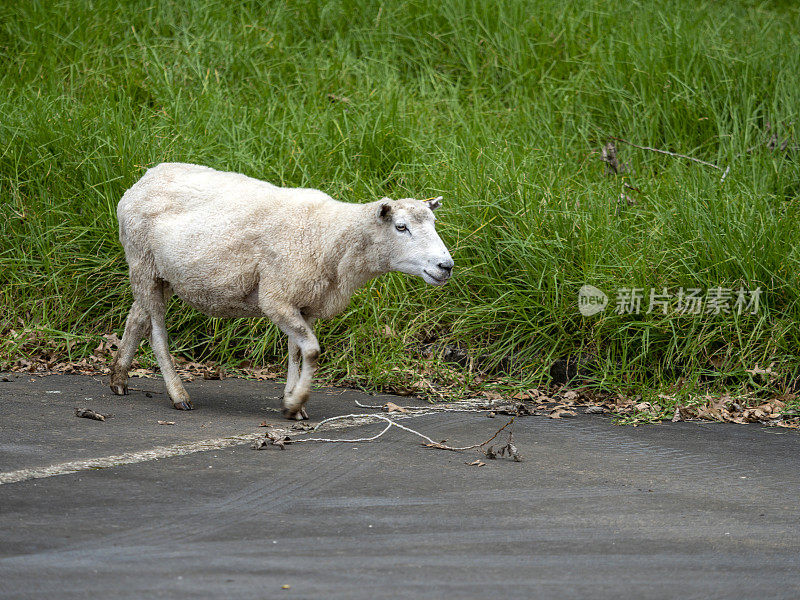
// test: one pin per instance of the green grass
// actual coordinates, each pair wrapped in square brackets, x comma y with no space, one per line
[501,107]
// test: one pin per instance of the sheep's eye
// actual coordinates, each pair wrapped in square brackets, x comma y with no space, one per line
[401,228]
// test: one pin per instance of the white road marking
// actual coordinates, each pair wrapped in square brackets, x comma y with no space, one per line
[127,458]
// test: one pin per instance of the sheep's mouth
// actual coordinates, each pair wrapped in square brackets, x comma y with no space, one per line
[435,280]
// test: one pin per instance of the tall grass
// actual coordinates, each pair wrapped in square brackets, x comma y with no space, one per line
[500,107]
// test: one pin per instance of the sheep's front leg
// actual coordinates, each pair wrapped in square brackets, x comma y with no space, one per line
[175,389]
[308,346]
[294,402]
[301,336]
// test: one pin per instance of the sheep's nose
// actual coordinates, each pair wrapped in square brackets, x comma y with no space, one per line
[446,265]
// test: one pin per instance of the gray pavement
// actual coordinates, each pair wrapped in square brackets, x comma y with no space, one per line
[680,510]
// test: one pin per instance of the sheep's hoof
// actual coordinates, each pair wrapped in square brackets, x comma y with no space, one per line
[295,415]
[185,405]
[120,389]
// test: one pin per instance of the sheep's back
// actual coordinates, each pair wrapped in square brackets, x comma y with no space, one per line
[212,234]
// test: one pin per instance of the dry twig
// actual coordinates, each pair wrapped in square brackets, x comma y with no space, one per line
[445,447]
[725,171]
[667,152]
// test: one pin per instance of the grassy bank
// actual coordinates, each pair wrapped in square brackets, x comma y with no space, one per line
[500,107]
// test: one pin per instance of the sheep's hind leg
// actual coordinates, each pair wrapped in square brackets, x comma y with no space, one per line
[137,326]
[293,372]
[159,343]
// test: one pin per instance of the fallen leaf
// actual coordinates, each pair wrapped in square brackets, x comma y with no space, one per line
[392,407]
[769,408]
[754,415]
[343,100]
[508,449]
[623,402]
[571,396]
[403,391]
[271,439]
[520,408]
[140,373]
[214,373]
[562,412]
[710,413]
[476,463]
[88,413]
[440,446]
[759,371]
[263,374]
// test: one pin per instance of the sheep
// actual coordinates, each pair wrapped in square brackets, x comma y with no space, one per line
[233,246]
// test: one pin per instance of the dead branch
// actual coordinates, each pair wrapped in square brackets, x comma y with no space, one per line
[423,408]
[512,408]
[442,446]
[668,153]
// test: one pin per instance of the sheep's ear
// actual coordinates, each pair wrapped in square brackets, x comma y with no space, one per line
[384,209]
[434,203]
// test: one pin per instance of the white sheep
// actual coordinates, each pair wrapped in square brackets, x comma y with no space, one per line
[233,246]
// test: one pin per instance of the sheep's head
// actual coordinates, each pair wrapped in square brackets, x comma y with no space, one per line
[408,237]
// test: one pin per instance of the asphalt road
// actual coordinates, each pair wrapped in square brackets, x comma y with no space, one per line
[680,510]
